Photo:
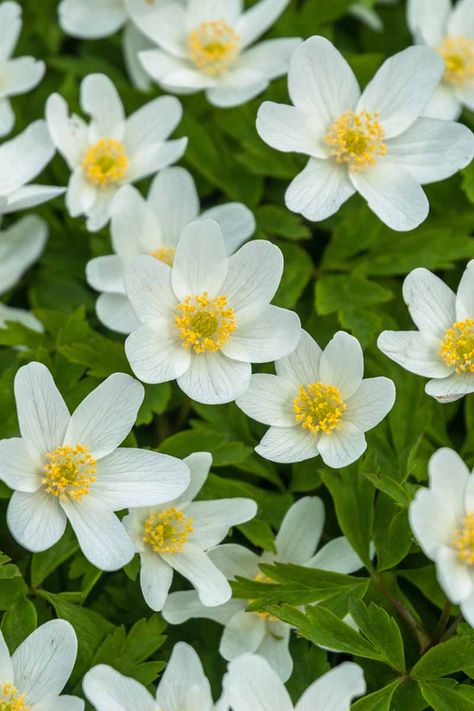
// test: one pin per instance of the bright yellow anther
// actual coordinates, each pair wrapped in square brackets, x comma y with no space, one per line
[357,139]
[458,55]
[213,47]
[319,407]
[164,254]
[457,350]
[262,578]
[11,699]
[105,163]
[464,540]
[167,531]
[69,472]
[205,324]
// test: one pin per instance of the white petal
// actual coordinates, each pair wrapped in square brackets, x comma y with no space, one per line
[226,96]
[199,464]
[444,104]
[236,222]
[133,42]
[371,402]
[288,444]
[69,134]
[432,304]
[271,57]
[100,99]
[337,556]
[465,294]
[342,446]
[148,286]
[155,157]
[183,671]
[155,354]
[31,196]
[24,157]
[42,412]
[174,200]
[99,213]
[7,117]
[88,20]
[155,579]
[108,690]
[433,521]
[414,351]
[342,364]
[212,520]
[10,313]
[467,609]
[461,20]
[393,194]
[137,477]
[106,273]
[272,334]
[201,261]
[402,88]
[81,194]
[319,190]
[208,10]
[243,633]
[115,312]
[20,246]
[465,95]
[43,662]
[35,520]
[10,28]
[61,703]
[193,564]
[159,64]
[134,227]
[274,649]
[214,379]
[19,465]
[334,690]
[427,20]
[185,605]
[300,531]
[168,29]
[152,123]
[106,416]
[290,129]
[302,366]
[454,575]
[21,75]
[269,399]
[451,388]
[6,668]
[234,560]
[101,536]
[252,684]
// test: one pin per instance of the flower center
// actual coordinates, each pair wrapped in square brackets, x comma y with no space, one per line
[205,324]
[464,540]
[319,407]
[167,531]
[262,578]
[69,472]
[357,139]
[213,47]
[457,349]
[11,700]
[164,254]
[458,56]
[105,163]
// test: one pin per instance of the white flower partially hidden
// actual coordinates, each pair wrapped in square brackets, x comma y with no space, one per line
[69,468]
[318,403]
[33,677]
[252,684]
[296,542]
[373,143]
[19,75]
[442,519]
[112,150]
[450,31]
[206,45]
[176,537]
[21,159]
[183,687]
[10,313]
[154,226]
[20,246]
[443,347]
[208,317]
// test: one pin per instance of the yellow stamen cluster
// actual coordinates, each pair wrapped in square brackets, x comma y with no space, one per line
[164,254]
[458,56]
[213,47]
[205,324]
[262,578]
[11,700]
[69,472]
[167,531]
[357,139]
[319,407]
[105,163]
[457,350]
[464,540]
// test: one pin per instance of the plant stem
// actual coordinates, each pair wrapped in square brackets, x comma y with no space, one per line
[442,623]
[418,631]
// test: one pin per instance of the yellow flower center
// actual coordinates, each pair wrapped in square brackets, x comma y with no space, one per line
[262,578]
[105,163]
[167,531]
[69,472]
[357,139]
[457,350]
[11,700]
[458,56]
[213,47]
[464,540]
[319,407]
[164,254]
[205,324]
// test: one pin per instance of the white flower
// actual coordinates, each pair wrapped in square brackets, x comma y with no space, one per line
[443,346]
[9,313]
[19,75]
[442,519]
[374,143]
[318,403]
[183,687]
[68,468]
[112,150]
[20,246]
[22,159]
[252,684]
[206,318]
[296,542]
[153,227]
[206,45]
[449,31]
[34,676]
[176,537]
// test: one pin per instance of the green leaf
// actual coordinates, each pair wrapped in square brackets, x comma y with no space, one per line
[45,563]
[336,292]
[379,700]
[276,221]
[446,658]
[381,631]
[18,622]
[296,276]
[444,698]
[392,533]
